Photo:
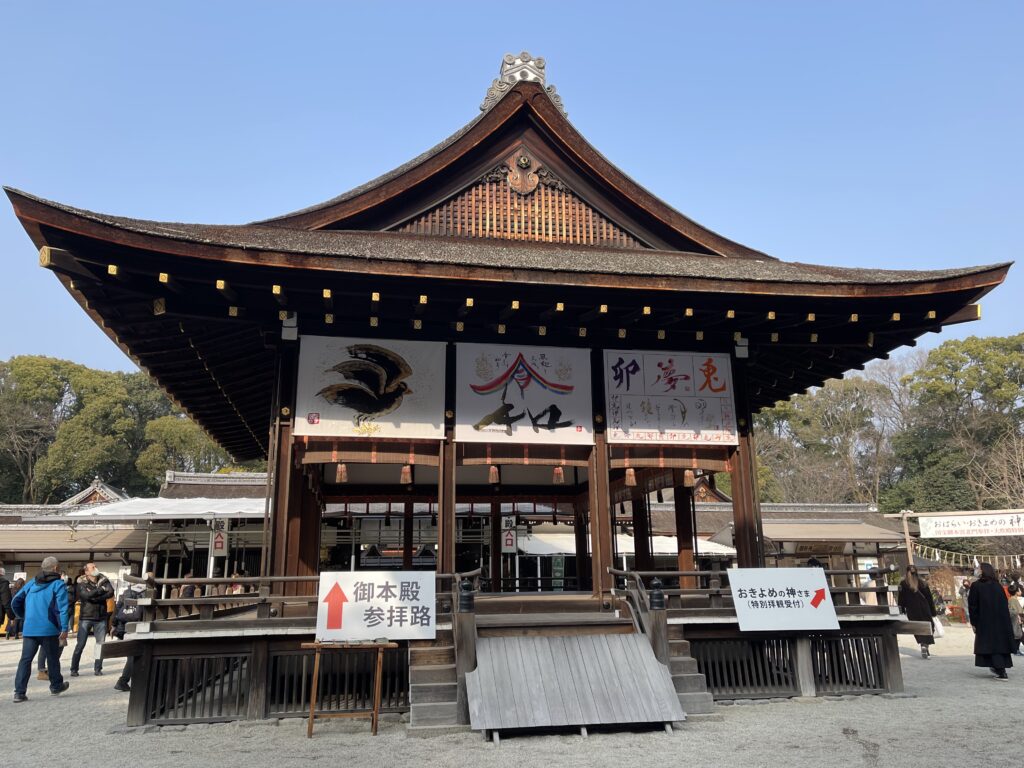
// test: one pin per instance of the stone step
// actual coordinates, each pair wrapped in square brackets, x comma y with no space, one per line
[445,713]
[682,665]
[444,637]
[432,693]
[420,657]
[697,703]
[435,673]
[689,683]
[678,648]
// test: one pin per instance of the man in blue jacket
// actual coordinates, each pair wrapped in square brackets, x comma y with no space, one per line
[42,605]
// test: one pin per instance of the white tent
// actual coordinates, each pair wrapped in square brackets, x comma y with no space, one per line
[173,509]
[548,544]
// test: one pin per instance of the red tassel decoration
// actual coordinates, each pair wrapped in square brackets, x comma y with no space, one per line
[493,475]
[558,476]
[341,474]
[630,477]
[406,474]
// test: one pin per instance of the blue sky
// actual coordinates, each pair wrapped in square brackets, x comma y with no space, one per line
[871,134]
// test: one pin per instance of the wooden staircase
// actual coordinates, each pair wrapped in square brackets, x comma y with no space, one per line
[689,682]
[433,689]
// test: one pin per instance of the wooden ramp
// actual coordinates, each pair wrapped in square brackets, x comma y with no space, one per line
[574,680]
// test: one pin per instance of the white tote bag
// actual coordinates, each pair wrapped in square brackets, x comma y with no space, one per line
[939,630]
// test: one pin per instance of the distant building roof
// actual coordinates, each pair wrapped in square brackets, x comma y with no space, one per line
[214,485]
[713,517]
[97,492]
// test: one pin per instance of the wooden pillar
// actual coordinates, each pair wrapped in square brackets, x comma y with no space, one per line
[279,467]
[684,526]
[407,530]
[446,506]
[308,533]
[600,517]
[446,473]
[496,546]
[579,517]
[602,552]
[641,527]
[746,504]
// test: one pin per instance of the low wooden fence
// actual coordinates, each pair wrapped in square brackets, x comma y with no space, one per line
[861,657]
[238,656]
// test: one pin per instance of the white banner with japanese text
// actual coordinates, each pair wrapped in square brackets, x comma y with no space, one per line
[372,605]
[981,525]
[511,394]
[770,599]
[370,388]
[669,397]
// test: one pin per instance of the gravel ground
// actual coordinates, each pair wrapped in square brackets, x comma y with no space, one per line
[957,715]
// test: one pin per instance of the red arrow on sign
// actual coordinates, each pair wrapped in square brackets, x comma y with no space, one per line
[335,600]
[818,599]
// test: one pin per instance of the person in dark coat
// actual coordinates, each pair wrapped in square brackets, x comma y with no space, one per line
[990,619]
[5,597]
[13,622]
[93,590]
[916,601]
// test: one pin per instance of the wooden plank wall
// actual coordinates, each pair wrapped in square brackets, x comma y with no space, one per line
[569,680]
[548,214]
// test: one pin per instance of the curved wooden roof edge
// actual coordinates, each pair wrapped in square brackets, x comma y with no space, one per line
[523,95]
[441,257]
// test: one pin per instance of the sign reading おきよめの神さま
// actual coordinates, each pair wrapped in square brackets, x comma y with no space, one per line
[669,397]
[769,599]
[371,605]
[370,388]
[510,394]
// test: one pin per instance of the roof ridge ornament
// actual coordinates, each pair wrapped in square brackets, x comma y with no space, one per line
[520,68]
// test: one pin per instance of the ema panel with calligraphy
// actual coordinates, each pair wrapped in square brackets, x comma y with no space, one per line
[669,397]
[370,388]
[511,394]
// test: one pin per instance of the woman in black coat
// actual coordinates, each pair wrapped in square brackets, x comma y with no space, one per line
[990,619]
[915,598]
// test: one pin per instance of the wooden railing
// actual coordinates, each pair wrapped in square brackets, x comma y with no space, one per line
[860,657]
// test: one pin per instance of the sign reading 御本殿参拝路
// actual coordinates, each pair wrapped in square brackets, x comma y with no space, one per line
[510,394]
[371,605]
[771,599]
[961,526]
[669,397]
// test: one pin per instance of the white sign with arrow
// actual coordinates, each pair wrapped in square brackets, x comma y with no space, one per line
[371,605]
[772,599]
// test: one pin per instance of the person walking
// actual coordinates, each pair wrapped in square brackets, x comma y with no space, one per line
[5,597]
[965,588]
[125,614]
[42,674]
[916,601]
[1016,619]
[13,622]
[93,589]
[42,606]
[990,620]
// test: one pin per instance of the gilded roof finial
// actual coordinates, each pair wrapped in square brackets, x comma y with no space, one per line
[519,68]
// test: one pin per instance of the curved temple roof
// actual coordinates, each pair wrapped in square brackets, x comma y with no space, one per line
[192,303]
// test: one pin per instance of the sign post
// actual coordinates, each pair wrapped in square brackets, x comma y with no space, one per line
[367,611]
[773,599]
[509,537]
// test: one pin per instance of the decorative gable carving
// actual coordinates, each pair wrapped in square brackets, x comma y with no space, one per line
[520,199]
